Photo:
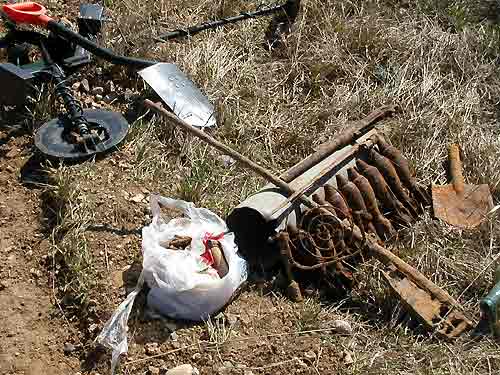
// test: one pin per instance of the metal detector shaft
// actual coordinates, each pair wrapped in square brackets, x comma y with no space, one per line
[289,8]
[264,173]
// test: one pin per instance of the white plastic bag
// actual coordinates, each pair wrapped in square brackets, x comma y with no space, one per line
[183,284]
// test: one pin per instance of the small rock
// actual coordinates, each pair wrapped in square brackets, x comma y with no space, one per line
[248,372]
[137,198]
[98,97]
[228,364]
[68,348]
[183,370]
[151,348]
[341,326]
[174,336]
[76,86]
[98,90]
[348,358]
[226,160]
[310,355]
[85,85]
[98,71]
[153,370]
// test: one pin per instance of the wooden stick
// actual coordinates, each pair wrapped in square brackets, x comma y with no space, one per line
[264,173]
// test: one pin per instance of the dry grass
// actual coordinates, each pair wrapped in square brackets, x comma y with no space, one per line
[436,59]
[67,213]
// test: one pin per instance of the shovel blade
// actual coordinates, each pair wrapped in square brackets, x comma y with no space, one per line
[465,210]
[180,94]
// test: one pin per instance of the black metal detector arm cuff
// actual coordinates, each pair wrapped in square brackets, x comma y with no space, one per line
[101,52]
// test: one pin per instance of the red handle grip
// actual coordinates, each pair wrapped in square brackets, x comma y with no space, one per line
[31,13]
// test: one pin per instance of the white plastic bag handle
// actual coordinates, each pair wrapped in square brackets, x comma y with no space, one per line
[156,201]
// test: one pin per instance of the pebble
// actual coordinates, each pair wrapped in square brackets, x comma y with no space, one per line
[248,372]
[85,85]
[151,348]
[153,370]
[68,348]
[76,86]
[98,90]
[183,370]
[174,336]
[226,160]
[341,326]
[98,97]
[137,198]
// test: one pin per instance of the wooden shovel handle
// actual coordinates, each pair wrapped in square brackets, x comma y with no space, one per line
[457,179]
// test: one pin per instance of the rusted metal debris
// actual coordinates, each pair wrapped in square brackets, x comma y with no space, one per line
[443,317]
[318,240]
[429,304]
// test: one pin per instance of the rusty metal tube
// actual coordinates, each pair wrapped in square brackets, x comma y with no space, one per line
[348,136]
[402,168]
[382,225]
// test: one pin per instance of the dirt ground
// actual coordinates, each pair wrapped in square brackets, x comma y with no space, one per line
[70,235]
[30,335]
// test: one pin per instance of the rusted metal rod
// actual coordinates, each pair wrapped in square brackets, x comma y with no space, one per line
[386,257]
[358,128]
[264,173]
